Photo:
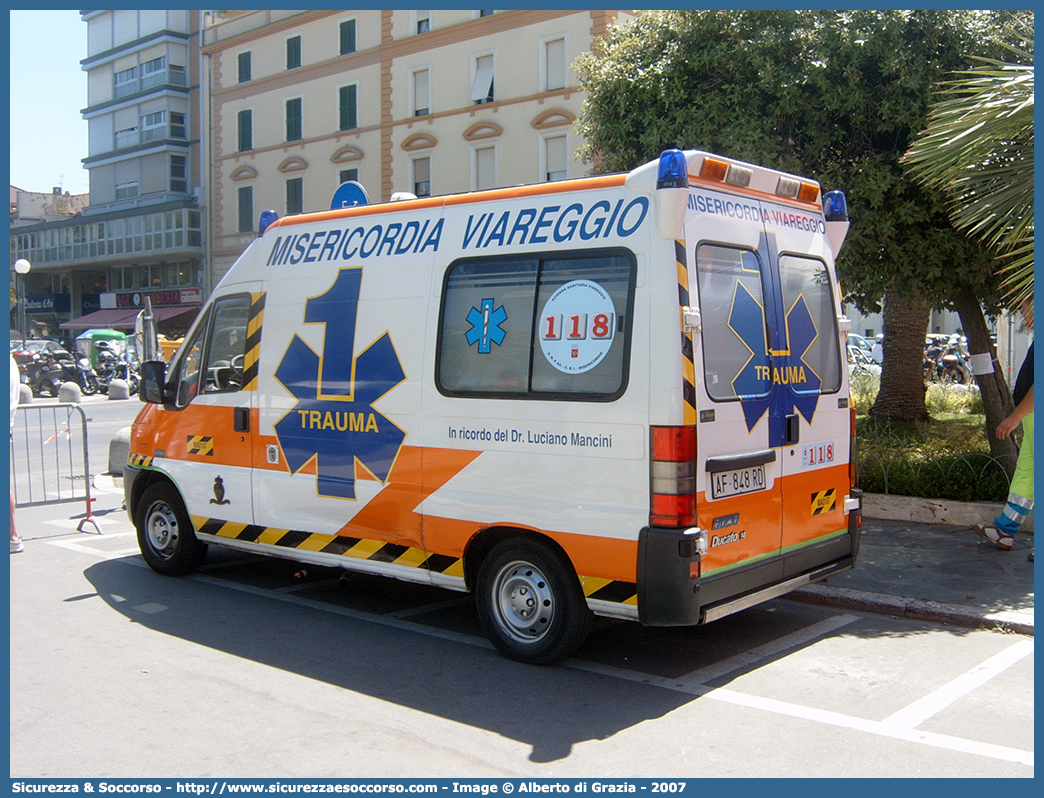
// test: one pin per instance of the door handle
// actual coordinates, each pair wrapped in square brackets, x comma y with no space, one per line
[793,431]
[241,419]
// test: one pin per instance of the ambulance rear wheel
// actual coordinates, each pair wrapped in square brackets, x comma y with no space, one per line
[530,604]
[166,538]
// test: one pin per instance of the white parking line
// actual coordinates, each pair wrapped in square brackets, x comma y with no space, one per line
[919,711]
[895,726]
[83,548]
[823,716]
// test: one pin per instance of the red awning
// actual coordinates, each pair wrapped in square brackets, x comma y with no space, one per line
[124,318]
[170,311]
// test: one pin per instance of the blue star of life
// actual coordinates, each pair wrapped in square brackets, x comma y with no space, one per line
[334,419]
[485,326]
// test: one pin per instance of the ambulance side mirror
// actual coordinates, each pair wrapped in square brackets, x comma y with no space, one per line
[153,382]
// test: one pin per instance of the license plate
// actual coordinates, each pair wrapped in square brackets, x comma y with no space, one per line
[734,483]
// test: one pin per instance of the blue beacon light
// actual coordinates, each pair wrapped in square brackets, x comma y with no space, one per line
[673,171]
[265,221]
[835,206]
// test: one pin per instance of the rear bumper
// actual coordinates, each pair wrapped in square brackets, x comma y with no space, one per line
[669,594]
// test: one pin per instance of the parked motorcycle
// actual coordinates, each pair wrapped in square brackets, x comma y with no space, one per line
[954,366]
[79,370]
[42,373]
[947,360]
[114,365]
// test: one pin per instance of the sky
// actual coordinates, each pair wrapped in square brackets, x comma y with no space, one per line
[48,91]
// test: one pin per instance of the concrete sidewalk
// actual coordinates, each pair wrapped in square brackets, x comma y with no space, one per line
[943,573]
[937,572]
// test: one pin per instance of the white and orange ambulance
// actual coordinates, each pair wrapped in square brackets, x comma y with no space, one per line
[623,395]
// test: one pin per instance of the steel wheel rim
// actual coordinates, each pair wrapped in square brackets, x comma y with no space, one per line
[161,529]
[523,602]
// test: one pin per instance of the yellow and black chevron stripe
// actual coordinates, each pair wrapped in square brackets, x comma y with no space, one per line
[253,342]
[200,445]
[688,367]
[140,460]
[390,553]
[609,590]
[824,501]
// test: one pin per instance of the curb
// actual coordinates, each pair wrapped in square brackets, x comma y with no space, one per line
[1017,622]
[886,507]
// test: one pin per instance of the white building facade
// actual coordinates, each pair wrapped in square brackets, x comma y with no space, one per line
[425,102]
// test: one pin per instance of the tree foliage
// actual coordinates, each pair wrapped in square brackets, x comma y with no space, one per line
[838,96]
[978,148]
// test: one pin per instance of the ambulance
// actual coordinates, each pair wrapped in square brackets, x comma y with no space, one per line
[622,396]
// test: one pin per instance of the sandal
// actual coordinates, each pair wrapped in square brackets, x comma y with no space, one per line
[995,536]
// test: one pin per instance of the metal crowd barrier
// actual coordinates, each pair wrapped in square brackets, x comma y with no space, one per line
[50,458]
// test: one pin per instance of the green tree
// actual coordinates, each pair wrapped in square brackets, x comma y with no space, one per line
[978,149]
[838,96]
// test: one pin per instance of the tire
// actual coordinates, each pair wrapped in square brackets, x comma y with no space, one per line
[89,385]
[529,602]
[166,538]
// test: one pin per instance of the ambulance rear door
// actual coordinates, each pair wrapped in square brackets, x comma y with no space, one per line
[772,415]
[740,502]
[810,386]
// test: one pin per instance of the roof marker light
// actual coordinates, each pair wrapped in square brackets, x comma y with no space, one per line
[788,187]
[265,221]
[673,172]
[808,192]
[713,169]
[835,206]
[738,176]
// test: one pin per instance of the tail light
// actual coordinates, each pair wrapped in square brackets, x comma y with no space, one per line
[673,477]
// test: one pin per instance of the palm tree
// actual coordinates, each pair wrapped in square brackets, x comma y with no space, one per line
[978,148]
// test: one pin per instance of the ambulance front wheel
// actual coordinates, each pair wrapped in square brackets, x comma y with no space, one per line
[530,604]
[166,538]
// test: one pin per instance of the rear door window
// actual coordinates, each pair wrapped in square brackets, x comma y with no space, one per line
[811,328]
[732,307]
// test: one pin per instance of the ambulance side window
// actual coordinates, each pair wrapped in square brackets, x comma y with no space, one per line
[808,295]
[733,311]
[546,326]
[213,359]
[190,359]
[226,346]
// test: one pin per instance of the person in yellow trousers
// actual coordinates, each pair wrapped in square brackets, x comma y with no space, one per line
[1020,498]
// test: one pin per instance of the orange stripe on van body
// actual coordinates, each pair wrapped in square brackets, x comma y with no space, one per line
[174,432]
[450,200]
[419,472]
[757,529]
[800,522]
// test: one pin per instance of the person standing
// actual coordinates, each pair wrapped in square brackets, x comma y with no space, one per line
[16,381]
[1020,498]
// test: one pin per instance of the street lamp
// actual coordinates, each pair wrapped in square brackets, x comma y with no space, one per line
[22,267]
